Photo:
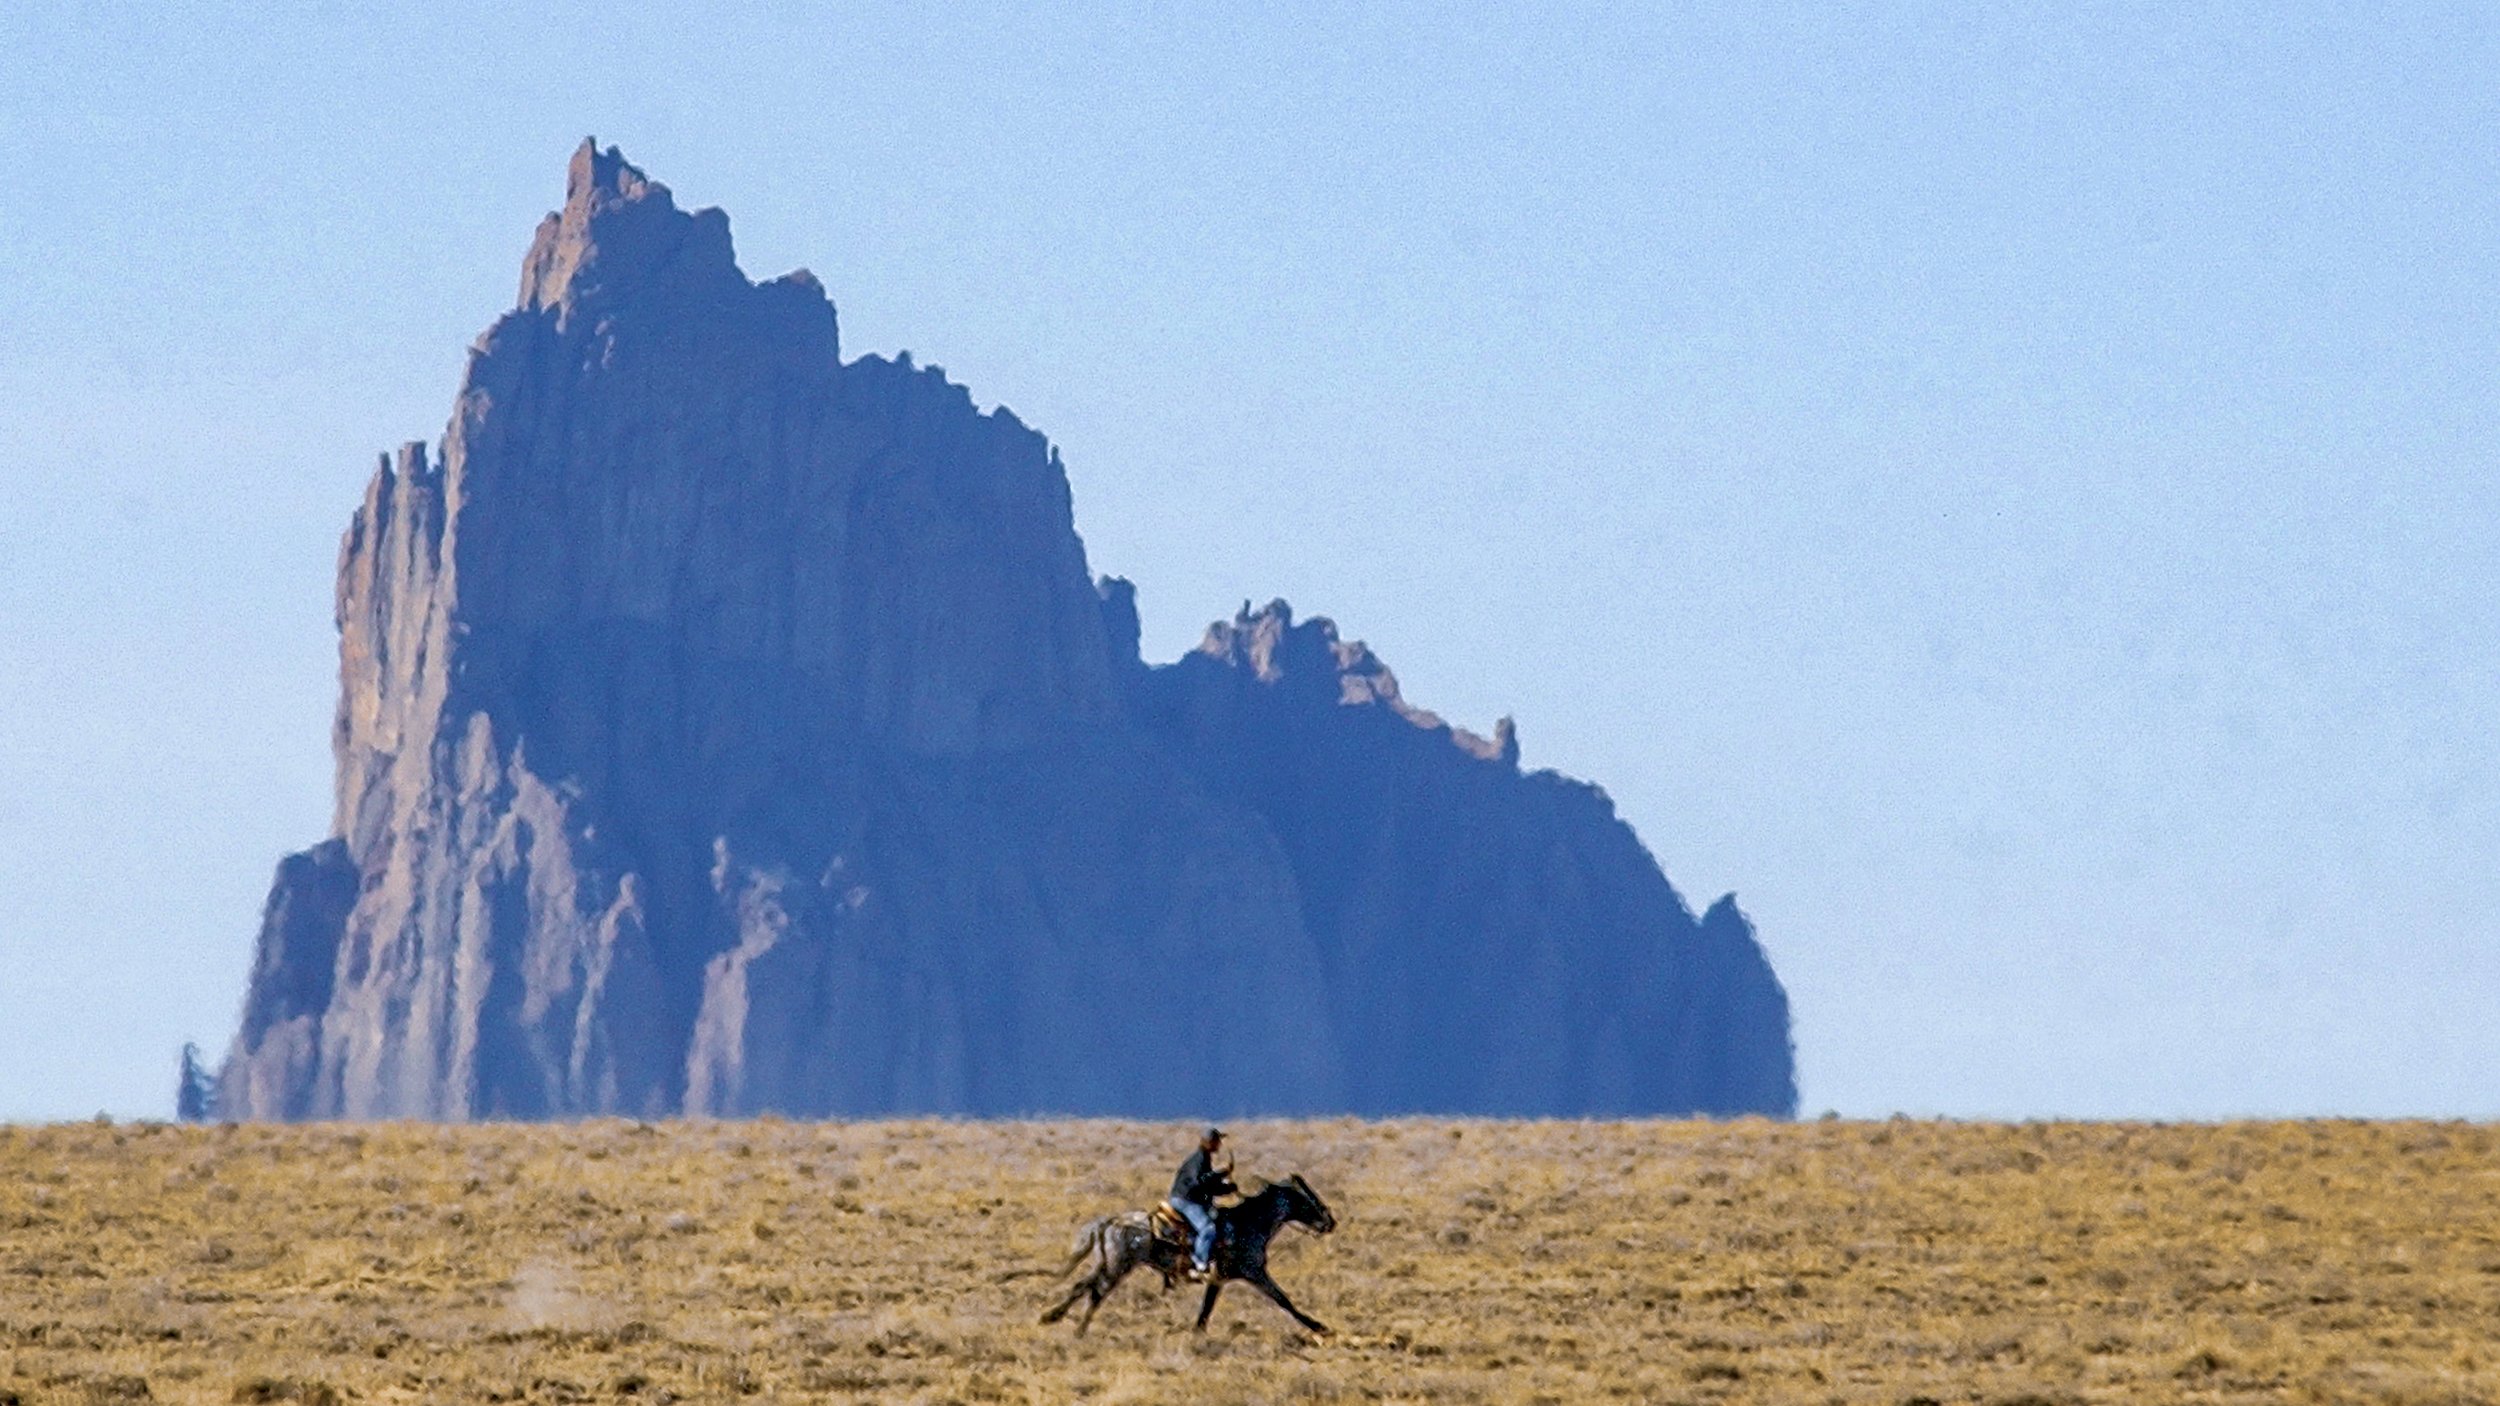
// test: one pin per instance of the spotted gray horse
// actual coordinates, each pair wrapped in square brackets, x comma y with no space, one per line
[1116,1245]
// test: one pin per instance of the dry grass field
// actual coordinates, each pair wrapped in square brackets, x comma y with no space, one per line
[1894,1262]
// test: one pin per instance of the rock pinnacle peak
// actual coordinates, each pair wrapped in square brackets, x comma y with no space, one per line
[595,173]
[620,229]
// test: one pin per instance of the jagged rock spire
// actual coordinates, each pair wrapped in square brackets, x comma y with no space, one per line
[724,728]
[619,229]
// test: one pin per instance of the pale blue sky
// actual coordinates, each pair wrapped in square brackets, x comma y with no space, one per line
[2010,494]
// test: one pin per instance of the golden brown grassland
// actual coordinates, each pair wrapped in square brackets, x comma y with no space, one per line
[1476,1262]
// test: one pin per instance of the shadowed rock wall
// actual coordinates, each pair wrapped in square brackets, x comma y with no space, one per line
[726,728]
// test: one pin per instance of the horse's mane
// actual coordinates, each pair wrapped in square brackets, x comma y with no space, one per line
[1267,1190]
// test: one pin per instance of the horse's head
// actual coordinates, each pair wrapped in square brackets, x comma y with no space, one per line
[1306,1207]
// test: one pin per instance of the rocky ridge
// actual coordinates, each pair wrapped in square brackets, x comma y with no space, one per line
[727,728]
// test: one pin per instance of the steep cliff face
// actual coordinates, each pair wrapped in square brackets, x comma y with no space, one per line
[1493,941]
[727,728]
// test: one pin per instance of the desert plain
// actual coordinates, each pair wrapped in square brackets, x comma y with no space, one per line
[1893,1262]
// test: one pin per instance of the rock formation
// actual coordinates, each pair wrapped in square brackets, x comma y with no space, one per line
[725,728]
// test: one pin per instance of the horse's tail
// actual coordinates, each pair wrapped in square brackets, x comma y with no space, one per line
[1088,1239]
[1084,1246]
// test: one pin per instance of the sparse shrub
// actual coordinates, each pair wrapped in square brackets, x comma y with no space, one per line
[2202,1363]
[304,1393]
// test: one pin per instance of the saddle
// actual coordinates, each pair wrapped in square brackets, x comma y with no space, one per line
[1169,1225]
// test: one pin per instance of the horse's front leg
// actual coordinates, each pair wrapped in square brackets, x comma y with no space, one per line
[1207,1305]
[1268,1287]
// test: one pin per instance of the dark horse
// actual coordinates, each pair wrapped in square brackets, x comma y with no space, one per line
[1118,1244]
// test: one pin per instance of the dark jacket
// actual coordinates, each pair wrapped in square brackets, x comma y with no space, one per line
[1199,1181]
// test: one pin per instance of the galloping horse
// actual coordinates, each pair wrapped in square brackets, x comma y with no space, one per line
[1118,1244]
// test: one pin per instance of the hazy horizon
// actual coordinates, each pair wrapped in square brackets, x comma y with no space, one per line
[2012,501]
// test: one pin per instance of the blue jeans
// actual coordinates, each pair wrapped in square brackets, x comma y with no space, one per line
[1202,1220]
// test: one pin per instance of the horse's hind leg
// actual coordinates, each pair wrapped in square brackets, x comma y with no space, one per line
[1090,1243]
[1268,1287]
[1103,1283]
[1061,1310]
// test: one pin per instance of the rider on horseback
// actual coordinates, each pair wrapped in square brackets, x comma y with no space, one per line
[1194,1191]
